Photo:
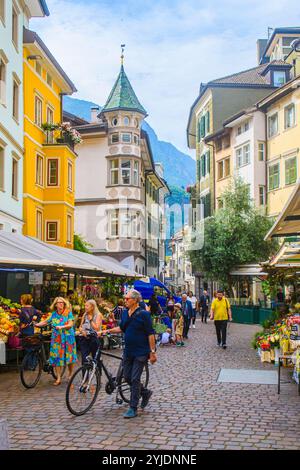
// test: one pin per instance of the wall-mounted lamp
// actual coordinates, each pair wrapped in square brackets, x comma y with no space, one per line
[34,57]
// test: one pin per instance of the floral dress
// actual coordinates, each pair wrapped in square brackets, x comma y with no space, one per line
[63,344]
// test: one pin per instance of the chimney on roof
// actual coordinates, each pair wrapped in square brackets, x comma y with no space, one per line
[261,45]
[94,113]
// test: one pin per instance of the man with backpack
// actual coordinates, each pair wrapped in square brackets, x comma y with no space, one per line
[221,314]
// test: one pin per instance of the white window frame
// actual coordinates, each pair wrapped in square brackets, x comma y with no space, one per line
[70,175]
[3,81]
[15,176]
[114,170]
[126,134]
[38,110]
[261,151]
[286,110]
[49,80]
[69,228]
[16,98]
[39,227]
[262,187]
[38,65]
[47,223]
[48,174]
[242,155]
[125,170]
[39,175]
[111,138]
[15,27]
[136,171]
[269,126]
[114,219]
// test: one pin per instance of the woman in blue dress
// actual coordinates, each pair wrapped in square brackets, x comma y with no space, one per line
[63,344]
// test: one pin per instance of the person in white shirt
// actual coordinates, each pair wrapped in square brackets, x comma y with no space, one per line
[194,301]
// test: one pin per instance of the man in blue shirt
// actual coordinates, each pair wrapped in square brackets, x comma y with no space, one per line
[139,336]
[187,311]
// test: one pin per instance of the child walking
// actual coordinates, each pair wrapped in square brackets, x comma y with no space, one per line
[179,325]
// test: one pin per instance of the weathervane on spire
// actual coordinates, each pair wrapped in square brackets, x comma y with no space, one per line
[122,56]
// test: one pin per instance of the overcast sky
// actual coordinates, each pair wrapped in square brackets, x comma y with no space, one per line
[171,46]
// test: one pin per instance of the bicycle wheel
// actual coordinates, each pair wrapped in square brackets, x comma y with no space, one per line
[82,390]
[124,388]
[31,369]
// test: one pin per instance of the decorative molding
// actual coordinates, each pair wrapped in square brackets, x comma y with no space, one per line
[11,139]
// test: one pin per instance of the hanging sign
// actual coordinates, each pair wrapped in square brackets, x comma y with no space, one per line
[36,278]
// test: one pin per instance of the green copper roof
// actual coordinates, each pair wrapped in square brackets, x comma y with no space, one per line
[122,96]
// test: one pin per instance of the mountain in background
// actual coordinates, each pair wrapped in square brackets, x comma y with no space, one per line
[179,168]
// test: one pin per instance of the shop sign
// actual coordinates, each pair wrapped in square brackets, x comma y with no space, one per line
[35,278]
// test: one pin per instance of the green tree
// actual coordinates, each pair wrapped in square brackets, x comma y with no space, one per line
[80,244]
[233,236]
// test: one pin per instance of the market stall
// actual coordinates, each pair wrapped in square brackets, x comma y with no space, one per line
[28,265]
[281,337]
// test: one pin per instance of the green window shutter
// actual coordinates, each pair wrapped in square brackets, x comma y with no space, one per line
[208,162]
[203,165]
[199,130]
[207,127]
[202,127]
[291,171]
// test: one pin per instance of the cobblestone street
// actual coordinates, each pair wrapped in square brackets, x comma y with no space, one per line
[189,409]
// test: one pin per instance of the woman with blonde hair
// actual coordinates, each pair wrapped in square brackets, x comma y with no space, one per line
[90,325]
[63,344]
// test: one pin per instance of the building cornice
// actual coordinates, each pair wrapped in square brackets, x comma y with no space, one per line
[11,139]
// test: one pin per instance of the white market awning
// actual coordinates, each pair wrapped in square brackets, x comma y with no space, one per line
[288,222]
[248,270]
[16,250]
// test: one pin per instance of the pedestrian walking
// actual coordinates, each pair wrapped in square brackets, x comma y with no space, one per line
[179,324]
[187,311]
[63,345]
[194,301]
[221,314]
[139,337]
[27,316]
[204,303]
[170,303]
[90,325]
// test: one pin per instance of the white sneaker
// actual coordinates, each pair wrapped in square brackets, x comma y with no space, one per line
[194,326]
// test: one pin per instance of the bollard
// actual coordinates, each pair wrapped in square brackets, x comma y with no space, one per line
[4,444]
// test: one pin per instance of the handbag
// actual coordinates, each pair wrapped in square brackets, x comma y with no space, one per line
[14,342]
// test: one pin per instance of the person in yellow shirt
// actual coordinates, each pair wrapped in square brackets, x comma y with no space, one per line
[221,313]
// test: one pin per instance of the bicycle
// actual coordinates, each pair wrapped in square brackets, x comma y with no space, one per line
[36,360]
[84,386]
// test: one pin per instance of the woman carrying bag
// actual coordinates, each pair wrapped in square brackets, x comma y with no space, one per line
[90,325]
[63,344]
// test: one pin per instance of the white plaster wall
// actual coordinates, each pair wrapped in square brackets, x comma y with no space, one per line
[90,222]
[12,207]
[255,172]
[91,169]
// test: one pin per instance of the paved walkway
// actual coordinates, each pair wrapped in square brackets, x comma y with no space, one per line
[189,408]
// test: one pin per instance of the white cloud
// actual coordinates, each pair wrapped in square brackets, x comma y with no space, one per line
[171,46]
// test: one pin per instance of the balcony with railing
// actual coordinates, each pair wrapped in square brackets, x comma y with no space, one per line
[58,134]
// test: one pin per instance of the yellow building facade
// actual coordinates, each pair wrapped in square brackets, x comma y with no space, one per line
[282,110]
[49,158]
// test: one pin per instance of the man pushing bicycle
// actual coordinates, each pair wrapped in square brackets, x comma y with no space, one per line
[139,336]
